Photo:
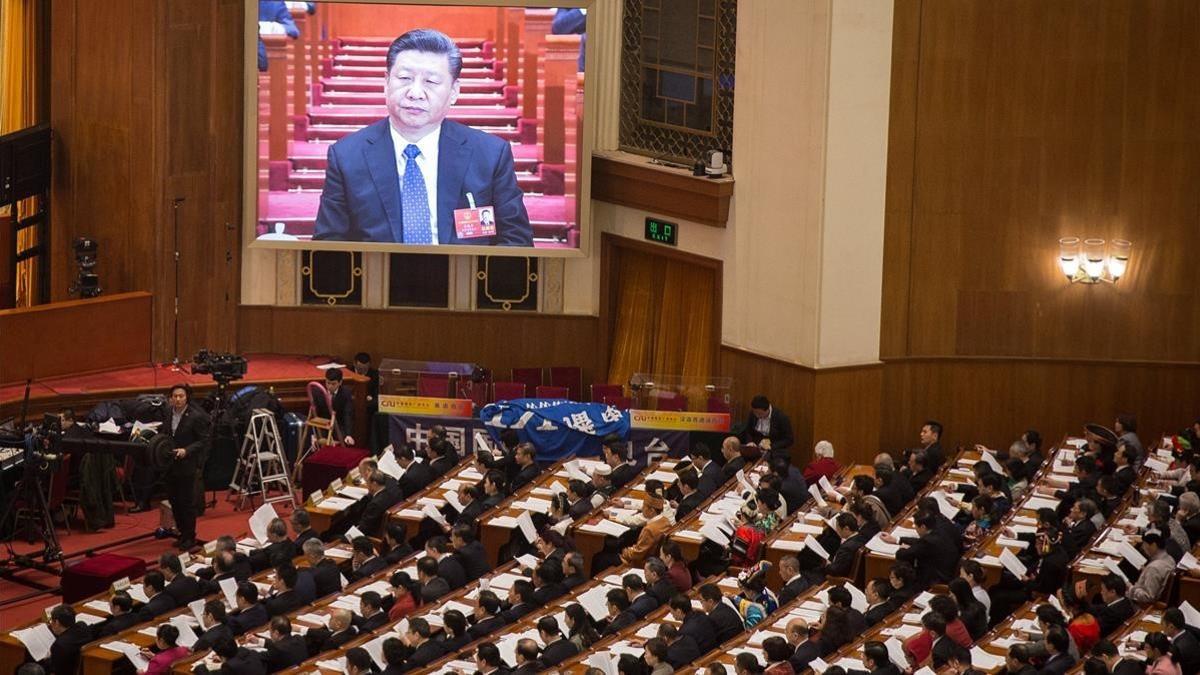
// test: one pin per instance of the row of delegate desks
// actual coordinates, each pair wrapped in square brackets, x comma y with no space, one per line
[96,660]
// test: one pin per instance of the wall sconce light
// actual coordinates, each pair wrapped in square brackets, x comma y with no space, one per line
[1092,261]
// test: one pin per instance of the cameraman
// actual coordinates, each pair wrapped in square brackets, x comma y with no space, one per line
[188,425]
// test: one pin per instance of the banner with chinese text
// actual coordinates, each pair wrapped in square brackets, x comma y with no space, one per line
[556,427]
[673,420]
[424,406]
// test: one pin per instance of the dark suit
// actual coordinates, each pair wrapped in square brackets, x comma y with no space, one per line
[683,651]
[247,619]
[573,581]
[622,474]
[266,556]
[843,558]
[64,652]
[305,536]
[1078,536]
[726,621]
[283,603]
[327,640]
[732,467]
[793,588]
[662,590]
[182,474]
[488,625]
[643,605]
[473,558]
[512,614]
[159,604]
[779,432]
[244,662]
[452,571]
[327,577]
[416,477]
[698,626]
[558,651]
[710,479]
[183,589]
[929,555]
[434,589]
[427,653]
[377,507]
[549,592]
[944,650]
[687,505]
[361,198]
[369,568]
[1058,664]
[1188,649]
[878,613]
[373,622]
[116,624]
[285,653]
[620,622]
[804,655]
[212,636]
[1111,616]
[442,465]
[524,476]
[935,455]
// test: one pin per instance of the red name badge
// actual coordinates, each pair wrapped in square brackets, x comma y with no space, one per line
[475,222]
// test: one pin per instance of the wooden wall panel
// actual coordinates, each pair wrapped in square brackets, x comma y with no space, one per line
[1014,124]
[846,406]
[497,341]
[146,108]
[992,401]
[788,386]
[370,20]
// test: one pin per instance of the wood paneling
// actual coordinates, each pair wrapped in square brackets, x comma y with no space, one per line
[494,340]
[365,20]
[1014,124]
[847,405]
[665,190]
[992,401]
[788,386]
[146,108]
[74,337]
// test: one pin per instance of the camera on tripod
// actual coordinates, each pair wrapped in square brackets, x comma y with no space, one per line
[224,368]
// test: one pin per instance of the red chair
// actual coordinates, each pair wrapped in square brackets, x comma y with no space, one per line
[669,400]
[718,404]
[570,377]
[507,391]
[436,385]
[621,402]
[602,392]
[547,391]
[476,391]
[530,377]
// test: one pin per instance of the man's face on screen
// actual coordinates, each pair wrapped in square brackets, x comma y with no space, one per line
[419,92]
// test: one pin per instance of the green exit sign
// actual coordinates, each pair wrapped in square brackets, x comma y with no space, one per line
[662,231]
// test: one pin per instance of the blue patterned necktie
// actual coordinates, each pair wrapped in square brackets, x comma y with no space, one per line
[415,200]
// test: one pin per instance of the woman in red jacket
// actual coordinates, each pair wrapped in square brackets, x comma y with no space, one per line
[405,597]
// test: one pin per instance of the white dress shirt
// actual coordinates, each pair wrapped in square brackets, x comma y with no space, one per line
[427,161]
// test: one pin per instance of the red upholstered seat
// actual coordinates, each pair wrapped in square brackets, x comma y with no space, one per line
[96,574]
[602,392]
[328,464]
[546,391]
[507,391]
[530,377]
[570,377]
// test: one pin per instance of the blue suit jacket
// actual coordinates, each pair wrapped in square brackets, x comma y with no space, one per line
[361,197]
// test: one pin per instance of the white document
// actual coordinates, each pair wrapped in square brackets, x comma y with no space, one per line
[1115,567]
[389,465]
[816,494]
[558,488]
[337,665]
[1157,465]
[525,522]
[337,503]
[262,517]
[1012,543]
[828,489]
[786,544]
[1188,562]
[896,652]
[595,601]
[805,528]
[187,636]
[353,533]
[742,482]
[1013,564]
[109,426]
[88,619]
[375,649]
[131,652]
[948,510]
[992,462]
[713,532]
[229,590]
[528,560]
[858,599]
[926,670]
[985,660]
[434,514]
[353,492]
[575,472]
[1035,503]
[99,606]
[197,607]
[880,546]
[1190,615]
[813,545]
[604,661]
[507,522]
[37,640]
[818,665]
[608,527]
[453,500]
[380,587]
[1133,555]
[137,592]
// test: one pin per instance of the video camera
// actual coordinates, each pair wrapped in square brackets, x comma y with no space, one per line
[41,444]
[223,368]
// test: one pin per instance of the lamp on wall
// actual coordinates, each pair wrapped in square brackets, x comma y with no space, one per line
[1092,261]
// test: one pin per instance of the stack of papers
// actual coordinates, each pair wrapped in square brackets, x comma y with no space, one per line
[37,640]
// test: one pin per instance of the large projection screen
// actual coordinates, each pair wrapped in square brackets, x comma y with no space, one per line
[451,127]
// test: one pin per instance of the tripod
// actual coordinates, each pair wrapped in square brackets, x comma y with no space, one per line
[219,401]
[28,506]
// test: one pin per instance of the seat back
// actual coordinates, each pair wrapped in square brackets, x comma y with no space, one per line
[58,483]
[620,402]
[475,391]
[436,385]
[547,391]
[601,391]
[506,391]
[570,377]
[530,377]
[718,404]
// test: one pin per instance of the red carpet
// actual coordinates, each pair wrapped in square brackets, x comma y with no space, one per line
[348,97]
[217,521]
